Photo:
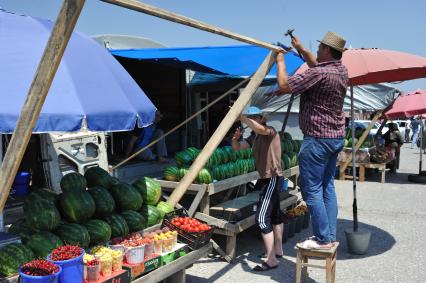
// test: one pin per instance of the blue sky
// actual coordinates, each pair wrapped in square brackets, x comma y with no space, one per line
[393,24]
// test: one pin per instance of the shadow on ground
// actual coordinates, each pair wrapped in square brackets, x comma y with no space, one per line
[250,245]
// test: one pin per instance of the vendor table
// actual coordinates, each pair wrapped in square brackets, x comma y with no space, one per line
[362,166]
[230,229]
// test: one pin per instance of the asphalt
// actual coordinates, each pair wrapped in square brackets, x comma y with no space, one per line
[394,212]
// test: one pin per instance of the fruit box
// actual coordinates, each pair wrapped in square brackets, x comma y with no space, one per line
[179,251]
[148,265]
[121,276]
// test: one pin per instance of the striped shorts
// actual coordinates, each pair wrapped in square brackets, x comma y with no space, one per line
[268,210]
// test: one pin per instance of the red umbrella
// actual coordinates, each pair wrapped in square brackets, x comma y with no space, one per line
[408,105]
[369,66]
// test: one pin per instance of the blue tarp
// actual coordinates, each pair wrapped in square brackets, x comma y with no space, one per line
[235,60]
[89,85]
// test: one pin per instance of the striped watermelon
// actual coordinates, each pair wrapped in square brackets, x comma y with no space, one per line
[183,158]
[46,194]
[99,231]
[12,256]
[171,173]
[193,152]
[104,202]
[77,206]
[41,215]
[182,172]
[73,234]
[204,177]
[22,229]
[73,182]
[118,224]
[164,207]
[43,243]
[149,189]
[151,214]
[134,220]
[96,176]
[126,197]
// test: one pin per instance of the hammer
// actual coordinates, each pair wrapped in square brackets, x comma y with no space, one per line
[290,33]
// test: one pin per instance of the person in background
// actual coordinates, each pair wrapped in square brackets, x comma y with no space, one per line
[267,154]
[143,136]
[407,130]
[322,87]
[414,125]
[393,138]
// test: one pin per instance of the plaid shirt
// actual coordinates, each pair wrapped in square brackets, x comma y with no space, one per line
[323,90]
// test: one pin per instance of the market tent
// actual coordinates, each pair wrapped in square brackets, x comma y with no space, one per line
[366,97]
[90,86]
[234,60]
[408,105]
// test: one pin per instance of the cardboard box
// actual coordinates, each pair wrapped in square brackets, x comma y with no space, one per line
[122,276]
[152,263]
[148,265]
[179,251]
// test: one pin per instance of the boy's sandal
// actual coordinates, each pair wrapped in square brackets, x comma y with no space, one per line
[264,267]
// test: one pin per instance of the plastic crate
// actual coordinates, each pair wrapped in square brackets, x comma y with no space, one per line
[194,240]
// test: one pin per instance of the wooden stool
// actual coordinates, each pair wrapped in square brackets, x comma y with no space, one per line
[330,262]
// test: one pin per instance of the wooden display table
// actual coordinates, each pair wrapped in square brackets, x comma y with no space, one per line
[362,166]
[203,192]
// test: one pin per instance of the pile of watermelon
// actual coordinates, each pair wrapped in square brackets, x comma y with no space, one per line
[83,216]
[289,151]
[223,163]
[368,142]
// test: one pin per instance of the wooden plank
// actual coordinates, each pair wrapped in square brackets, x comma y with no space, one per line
[175,266]
[37,93]
[222,129]
[160,13]
[196,202]
[172,185]
[215,222]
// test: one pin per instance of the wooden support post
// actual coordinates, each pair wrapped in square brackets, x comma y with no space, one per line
[222,129]
[39,88]
[361,140]
[164,14]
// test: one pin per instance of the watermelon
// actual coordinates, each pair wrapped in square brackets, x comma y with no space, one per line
[22,229]
[134,220]
[151,214]
[73,234]
[12,256]
[193,152]
[73,182]
[96,176]
[118,224]
[149,189]
[171,173]
[46,194]
[295,146]
[99,231]
[203,177]
[182,172]
[229,152]
[104,202]
[41,215]
[77,206]
[286,160]
[43,243]
[126,197]
[164,207]
[287,136]
[183,158]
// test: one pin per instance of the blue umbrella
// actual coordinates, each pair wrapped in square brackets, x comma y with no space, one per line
[90,85]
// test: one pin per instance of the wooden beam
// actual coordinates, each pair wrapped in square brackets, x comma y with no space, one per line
[164,14]
[39,88]
[361,140]
[222,129]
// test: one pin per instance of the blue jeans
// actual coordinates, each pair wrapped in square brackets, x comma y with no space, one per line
[415,137]
[317,164]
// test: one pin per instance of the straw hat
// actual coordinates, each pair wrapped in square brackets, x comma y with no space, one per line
[334,41]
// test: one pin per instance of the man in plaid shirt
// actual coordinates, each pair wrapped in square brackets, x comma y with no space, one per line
[321,118]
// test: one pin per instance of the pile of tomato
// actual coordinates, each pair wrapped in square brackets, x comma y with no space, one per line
[190,224]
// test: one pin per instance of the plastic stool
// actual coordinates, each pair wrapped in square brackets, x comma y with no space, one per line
[330,262]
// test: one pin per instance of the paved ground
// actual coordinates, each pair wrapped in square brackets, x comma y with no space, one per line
[395,213]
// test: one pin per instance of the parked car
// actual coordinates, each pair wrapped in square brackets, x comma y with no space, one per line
[400,123]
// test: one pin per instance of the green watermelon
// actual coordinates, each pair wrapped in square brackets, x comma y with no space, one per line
[77,206]
[151,214]
[43,243]
[164,207]
[47,194]
[171,173]
[73,234]
[134,220]
[286,160]
[149,189]
[183,158]
[22,229]
[99,231]
[203,177]
[73,182]
[182,172]
[119,227]
[96,176]
[229,152]
[104,202]
[193,152]
[12,256]
[41,215]
[295,146]
[346,143]
[287,136]
[126,197]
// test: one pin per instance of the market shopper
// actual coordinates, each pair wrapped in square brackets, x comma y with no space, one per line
[414,125]
[267,154]
[393,139]
[321,119]
[141,137]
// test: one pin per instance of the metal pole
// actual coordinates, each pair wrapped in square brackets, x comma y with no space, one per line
[354,205]
[290,103]
[421,144]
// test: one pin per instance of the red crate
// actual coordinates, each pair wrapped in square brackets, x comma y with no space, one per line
[194,240]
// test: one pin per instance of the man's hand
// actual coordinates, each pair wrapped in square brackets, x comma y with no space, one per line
[297,44]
